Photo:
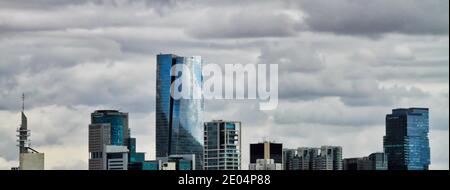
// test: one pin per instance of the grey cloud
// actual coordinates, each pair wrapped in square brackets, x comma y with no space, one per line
[372,18]
[292,57]
[328,111]
[243,24]
[95,84]
[245,111]
[8,148]
[89,15]
[359,92]
[77,165]
[41,52]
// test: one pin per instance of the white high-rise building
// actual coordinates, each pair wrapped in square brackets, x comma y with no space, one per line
[222,145]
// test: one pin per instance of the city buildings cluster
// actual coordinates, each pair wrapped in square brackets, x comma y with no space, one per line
[185,142]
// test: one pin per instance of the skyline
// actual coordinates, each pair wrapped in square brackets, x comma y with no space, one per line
[337,81]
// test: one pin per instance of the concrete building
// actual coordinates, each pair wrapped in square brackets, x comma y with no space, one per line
[116,157]
[31,161]
[99,136]
[265,164]
[222,145]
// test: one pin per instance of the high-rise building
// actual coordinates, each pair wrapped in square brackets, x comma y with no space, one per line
[375,161]
[222,150]
[108,140]
[99,137]
[406,143]
[330,158]
[118,122]
[290,161]
[179,125]
[307,157]
[266,151]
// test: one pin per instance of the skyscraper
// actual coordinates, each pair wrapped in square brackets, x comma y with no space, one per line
[222,145]
[179,125]
[289,159]
[406,143]
[307,157]
[330,158]
[266,152]
[108,140]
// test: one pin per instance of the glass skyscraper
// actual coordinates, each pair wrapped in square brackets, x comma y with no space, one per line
[179,125]
[406,143]
[118,122]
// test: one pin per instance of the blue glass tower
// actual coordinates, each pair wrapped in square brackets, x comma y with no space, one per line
[118,122]
[406,143]
[179,125]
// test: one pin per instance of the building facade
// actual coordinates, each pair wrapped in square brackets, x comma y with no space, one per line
[309,158]
[118,122]
[116,157]
[290,159]
[109,139]
[179,125]
[266,151]
[330,158]
[222,145]
[406,143]
[31,161]
[375,161]
[265,164]
[306,158]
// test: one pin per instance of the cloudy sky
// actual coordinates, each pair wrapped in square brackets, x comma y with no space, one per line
[343,65]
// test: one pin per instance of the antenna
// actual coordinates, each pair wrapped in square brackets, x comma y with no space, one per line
[23,102]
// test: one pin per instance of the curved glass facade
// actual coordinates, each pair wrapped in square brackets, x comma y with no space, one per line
[406,143]
[179,125]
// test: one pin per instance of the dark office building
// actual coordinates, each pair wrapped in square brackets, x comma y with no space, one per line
[406,143]
[266,151]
